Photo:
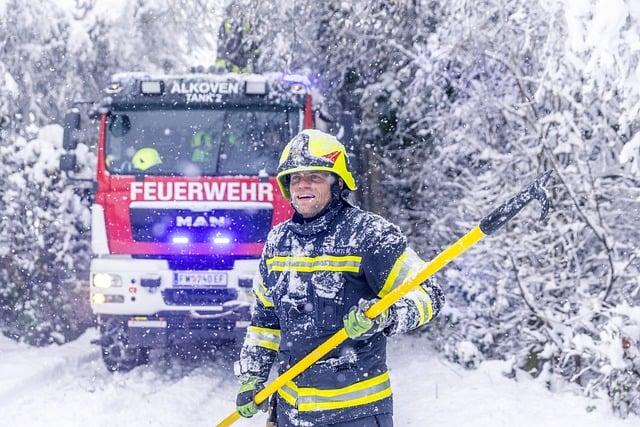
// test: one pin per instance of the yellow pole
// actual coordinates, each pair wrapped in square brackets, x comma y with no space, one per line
[443,258]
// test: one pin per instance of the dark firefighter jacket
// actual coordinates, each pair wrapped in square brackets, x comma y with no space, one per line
[311,274]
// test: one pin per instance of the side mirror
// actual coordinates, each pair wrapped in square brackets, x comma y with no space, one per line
[68,162]
[325,121]
[71,127]
[326,116]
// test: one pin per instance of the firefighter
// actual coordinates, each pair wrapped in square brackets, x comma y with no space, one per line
[145,158]
[201,146]
[319,272]
[237,50]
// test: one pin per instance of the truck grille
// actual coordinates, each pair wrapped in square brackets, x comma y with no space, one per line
[163,225]
[199,296]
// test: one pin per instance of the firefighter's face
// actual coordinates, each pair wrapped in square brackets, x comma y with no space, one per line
[310,192]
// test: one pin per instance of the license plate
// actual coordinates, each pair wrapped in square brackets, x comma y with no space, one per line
[191,279]
[137,323]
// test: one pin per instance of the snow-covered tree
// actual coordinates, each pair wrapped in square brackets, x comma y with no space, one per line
[507,98]
[53,54]
[44,232]
[459,104]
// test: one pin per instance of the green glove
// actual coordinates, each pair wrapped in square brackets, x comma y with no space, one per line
[245,400]
[359,326]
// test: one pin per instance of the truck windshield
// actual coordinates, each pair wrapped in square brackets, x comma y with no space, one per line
[196,142]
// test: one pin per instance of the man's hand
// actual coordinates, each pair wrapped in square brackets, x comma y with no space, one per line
[359,326]
[245,400]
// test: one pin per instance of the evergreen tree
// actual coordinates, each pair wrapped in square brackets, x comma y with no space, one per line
[44,229]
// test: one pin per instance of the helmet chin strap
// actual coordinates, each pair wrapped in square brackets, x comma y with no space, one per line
[336,189]
[337,184]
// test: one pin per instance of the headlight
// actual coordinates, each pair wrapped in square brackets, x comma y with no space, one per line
[256,87]
[106,280]
[98,299]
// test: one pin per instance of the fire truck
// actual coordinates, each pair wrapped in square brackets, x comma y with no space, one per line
[185,194]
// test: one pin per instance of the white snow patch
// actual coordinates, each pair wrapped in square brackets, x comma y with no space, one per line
[8,83]
[595,25]
[469,353]
[68,386]
[631,152]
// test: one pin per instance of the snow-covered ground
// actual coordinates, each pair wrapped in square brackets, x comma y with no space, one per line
[68,386]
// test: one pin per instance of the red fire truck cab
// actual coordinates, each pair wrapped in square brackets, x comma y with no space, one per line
[185,197]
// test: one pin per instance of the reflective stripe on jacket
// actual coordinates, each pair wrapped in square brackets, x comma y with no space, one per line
[359,393]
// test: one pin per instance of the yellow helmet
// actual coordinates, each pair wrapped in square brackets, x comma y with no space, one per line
[313,150]
[145,158]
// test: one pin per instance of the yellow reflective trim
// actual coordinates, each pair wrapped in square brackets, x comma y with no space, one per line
[347,403]
[422,301]
[293,386]
[311,269]
[351,258]
[348,263]
[266,344]
[263,337]
[263,300]
[419,306]
[393,274]
[308,391]
[429,305]
[292,398]
[286,396]
[260,329]
[260,291]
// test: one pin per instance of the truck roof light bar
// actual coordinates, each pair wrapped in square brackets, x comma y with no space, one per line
[256,87]
[151,87]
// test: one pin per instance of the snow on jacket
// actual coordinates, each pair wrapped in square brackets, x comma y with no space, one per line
[311,274]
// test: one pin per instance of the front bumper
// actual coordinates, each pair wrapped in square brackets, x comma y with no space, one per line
[146,287]
[176,328]
[158,310]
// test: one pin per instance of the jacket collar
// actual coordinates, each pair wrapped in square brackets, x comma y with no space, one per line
[318,223]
